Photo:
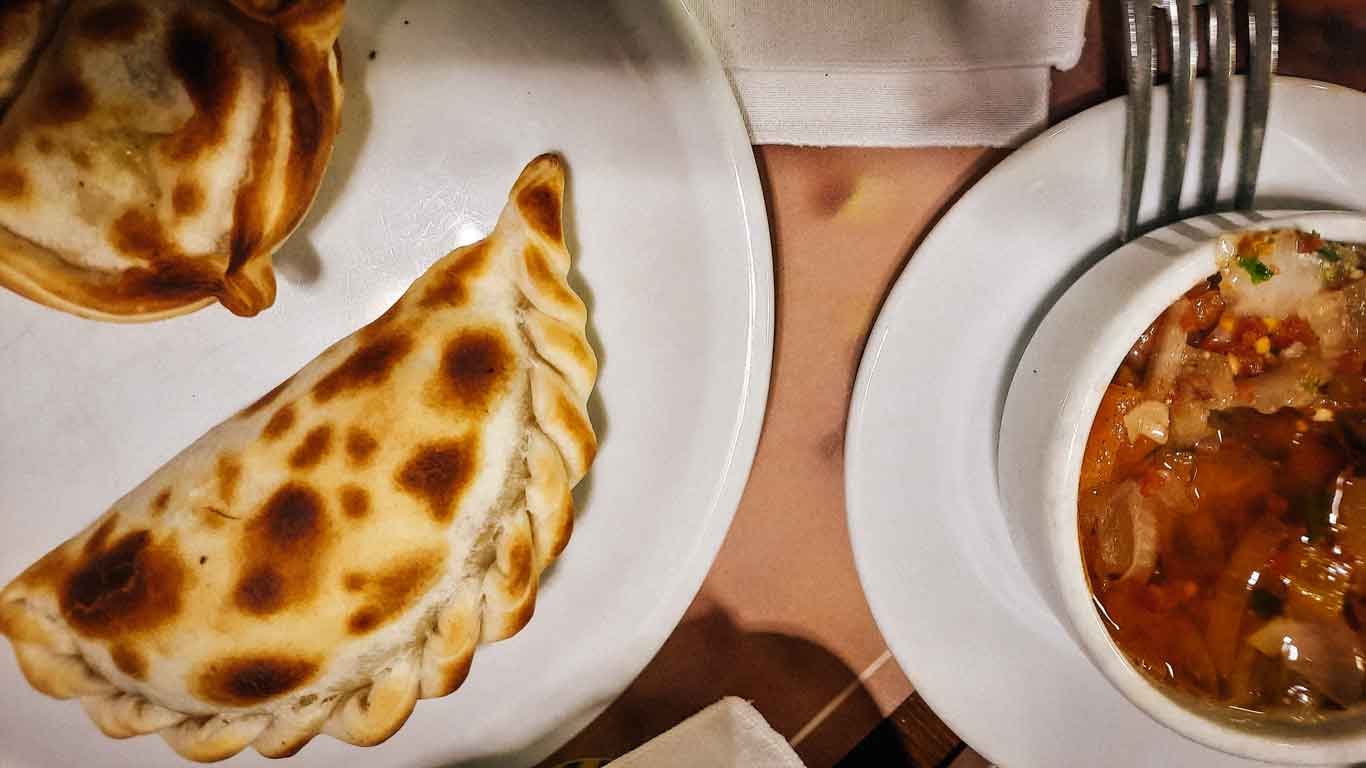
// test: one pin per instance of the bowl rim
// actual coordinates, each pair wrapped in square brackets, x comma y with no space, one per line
[1127,319]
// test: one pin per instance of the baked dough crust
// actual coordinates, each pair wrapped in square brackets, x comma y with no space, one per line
[161,150]
[338,549]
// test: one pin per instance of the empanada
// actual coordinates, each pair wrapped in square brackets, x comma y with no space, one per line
[336,550]
[156,152]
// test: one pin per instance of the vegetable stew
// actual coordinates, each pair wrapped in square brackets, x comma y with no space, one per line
[1222,510]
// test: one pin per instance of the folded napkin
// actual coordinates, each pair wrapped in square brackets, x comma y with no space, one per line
[893,72]
[728,734]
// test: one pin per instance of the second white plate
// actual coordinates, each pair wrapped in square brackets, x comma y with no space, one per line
[928,532]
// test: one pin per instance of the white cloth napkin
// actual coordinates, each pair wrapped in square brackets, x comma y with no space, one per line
[893,72]
[728,734]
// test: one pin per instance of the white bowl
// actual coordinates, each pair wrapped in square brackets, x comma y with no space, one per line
[1053,399]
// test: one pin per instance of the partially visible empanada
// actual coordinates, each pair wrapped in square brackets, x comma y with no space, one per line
[337,550]
[156,152]
[24,27]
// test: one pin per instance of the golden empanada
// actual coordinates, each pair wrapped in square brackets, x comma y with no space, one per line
[156,152]
[336,550]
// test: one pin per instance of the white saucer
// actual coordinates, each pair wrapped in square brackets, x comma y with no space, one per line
[928,532]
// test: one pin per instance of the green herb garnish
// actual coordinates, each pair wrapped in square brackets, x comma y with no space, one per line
[1256,269]
[1264,603]
[1329,255]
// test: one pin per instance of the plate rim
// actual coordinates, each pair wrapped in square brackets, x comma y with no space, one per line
[753,404]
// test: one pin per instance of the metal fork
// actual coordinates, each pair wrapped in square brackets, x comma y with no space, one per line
[1264,45]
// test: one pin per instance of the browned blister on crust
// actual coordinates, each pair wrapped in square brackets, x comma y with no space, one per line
[157,152]
[340,547]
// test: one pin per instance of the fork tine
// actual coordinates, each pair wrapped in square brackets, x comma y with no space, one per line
[1138,110]
[1264,46]
[1216,100]
[1182,22]
[1181,18]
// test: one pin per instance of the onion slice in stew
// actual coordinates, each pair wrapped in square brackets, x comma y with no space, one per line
[1169,353]
[1293,277]
[1148,419]
[1242,573]
[1128,533]
[1248,685]
[1318,581]
[1295,384]
[1327,656]
[1326,314]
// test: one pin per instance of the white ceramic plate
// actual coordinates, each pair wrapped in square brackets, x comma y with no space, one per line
[666,220]
[929,535]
